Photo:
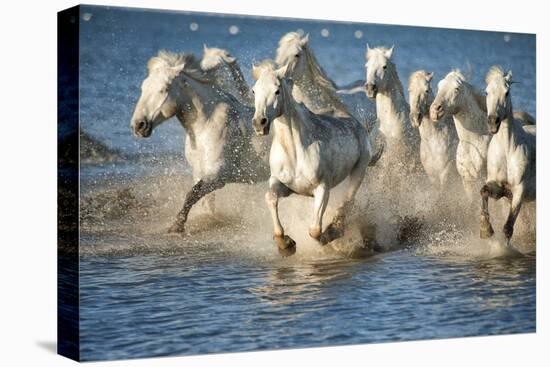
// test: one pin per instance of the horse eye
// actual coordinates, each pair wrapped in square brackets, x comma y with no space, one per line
[385,67]
[277,91]
[297,55]
[507,93]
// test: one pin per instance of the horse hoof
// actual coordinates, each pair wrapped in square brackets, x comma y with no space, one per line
[485,228]
[315,233]
[286,245]
[332,232]
[508,231]
[177,228]
[486,232]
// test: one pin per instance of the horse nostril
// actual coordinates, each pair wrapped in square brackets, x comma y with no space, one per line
[140,125]
[263,121]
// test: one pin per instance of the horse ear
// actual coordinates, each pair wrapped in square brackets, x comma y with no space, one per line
[367,53]
[204,48]
[304,40]
[281,72]
[429,76]
[389,53]
[508,76]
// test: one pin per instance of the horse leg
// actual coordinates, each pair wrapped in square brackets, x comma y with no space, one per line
[210,202]
[336,228]
[285,244]
[199,190]
[495,191]
[515,206]
[321,196]
[469,188]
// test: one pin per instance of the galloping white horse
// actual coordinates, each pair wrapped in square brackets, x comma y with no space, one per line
[310,154]
[312,86]
[457,98]
[511,160]
[219,145]
[438,142]
[392,109]
[227,73]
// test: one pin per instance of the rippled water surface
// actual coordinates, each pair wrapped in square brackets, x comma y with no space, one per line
[199,302]
[223,287]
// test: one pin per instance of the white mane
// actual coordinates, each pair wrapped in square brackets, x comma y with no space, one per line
[459,81]
[292,42]
[264,65]
[494,72]
[226,72]
[188,62]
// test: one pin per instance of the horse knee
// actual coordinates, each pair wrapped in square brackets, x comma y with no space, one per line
[485,191]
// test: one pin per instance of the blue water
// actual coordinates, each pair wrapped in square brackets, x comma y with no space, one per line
[224,287]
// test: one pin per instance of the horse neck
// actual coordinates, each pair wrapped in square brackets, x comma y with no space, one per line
[391,103]
[428,127]
[470,119]
[198,101]
[509,129]
[290,128]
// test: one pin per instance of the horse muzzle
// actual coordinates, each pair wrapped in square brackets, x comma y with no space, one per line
[371,90]
[416,119]
[494,123]
[261,126]
[143,129]
[436,113]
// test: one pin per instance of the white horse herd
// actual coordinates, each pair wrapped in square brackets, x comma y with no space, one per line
[293,130]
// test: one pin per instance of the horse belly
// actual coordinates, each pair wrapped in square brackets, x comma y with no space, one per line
[206,156]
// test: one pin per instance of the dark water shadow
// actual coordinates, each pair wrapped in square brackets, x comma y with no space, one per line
[48,345]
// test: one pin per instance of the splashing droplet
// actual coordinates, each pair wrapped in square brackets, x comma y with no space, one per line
[87,16]
[358,34]
[300,31]
[193,26]
[233,29]
[324,32]
[507,38]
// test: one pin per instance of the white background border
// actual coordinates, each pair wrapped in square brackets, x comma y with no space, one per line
[28,182]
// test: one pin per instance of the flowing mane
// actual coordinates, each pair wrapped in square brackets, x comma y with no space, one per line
[190,65]
[494,72]
[227,72]
[460,81]
[393,71]
[293,40]
[266,64]
[315,88]
[419,74]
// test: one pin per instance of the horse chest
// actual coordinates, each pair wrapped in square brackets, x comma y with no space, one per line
[299,172]
[471,159]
